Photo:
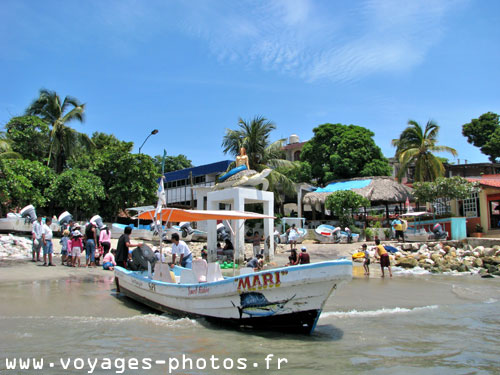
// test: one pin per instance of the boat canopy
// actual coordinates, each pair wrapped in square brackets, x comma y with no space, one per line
[140,209]
[421,213]
[178,215]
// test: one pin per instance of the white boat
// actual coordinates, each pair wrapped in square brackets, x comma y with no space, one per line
[287,298]
[143,232]
[139,231]
[23,222]
[299,227]
[330,234]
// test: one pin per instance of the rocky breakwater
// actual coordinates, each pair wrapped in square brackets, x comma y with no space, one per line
[448,257]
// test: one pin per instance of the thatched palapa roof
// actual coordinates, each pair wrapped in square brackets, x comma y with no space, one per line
[378,190]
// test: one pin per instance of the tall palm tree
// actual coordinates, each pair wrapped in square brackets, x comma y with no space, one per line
[6,149]
[254,136]
[63,139]
[416,146]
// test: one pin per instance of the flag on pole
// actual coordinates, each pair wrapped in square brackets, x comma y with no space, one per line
[162,198]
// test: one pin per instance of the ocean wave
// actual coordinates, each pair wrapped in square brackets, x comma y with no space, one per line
[370,313]
[163,320]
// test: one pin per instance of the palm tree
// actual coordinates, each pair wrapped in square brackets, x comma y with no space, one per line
[416,146]
[63,139]
[254,136]
[6,149]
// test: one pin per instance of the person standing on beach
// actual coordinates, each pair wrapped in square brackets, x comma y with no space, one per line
[90,242]
[292,236]
[64,241]
[105,239]
[122,248]
[76,247]
[384,257]
[180,247]
[36,234]
[256,243]
[366,263]
[397,224]
[48,249]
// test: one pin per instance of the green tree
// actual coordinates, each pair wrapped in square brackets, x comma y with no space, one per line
[343,202]
[343,151]
[128,179]
[6,151]
[455,187]
[24,182]
[63,139]
[78,191]
[29,136]
[484,133]
[416,146]
[172,163]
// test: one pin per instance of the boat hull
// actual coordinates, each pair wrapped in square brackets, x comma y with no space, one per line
[143,234]
[286,299]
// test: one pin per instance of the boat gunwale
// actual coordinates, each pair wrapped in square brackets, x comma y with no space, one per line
[231,279]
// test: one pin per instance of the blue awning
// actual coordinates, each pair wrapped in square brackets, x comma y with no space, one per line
[345,185]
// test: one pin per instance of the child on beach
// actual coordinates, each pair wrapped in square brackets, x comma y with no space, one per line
[366,263]
[76,247]
[64,246]
[108,262]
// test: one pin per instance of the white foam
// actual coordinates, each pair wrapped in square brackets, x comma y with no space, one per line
[369,313]
[491,300]
[158,320]
[410,271]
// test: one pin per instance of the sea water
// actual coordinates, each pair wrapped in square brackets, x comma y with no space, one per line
[427,324]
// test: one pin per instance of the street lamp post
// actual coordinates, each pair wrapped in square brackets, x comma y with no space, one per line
[155,131]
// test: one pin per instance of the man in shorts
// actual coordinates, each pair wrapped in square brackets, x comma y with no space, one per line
[48,249]
[36,234]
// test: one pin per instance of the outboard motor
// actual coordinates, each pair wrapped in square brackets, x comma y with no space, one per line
[64,218]
[186,228]
[97,221]
[29,213]
[141,256]
[439,233]
[222,234]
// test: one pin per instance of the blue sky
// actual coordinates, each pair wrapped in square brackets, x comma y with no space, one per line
[192,68]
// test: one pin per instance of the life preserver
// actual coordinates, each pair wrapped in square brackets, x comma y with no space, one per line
[359,254]
[232,172]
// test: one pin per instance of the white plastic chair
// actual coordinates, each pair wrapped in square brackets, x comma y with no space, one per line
[188,276]
[200,268]
[162,273]
[214,272]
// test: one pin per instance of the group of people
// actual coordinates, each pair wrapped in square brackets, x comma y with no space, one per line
[302,258]
[96,244]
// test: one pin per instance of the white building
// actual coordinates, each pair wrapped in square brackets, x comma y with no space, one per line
[178,183]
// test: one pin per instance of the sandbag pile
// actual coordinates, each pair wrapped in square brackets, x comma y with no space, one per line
[15,247]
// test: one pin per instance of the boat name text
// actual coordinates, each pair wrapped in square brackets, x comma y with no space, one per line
[260,281]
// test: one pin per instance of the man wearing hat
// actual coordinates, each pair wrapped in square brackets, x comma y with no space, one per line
[304,256]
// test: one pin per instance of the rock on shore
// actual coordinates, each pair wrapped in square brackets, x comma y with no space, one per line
[438,257]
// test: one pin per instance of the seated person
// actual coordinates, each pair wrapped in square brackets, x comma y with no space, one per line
[256,262]
[108,262]
[293,258]
[304,256]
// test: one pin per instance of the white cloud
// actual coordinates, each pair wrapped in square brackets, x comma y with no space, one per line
[320,40]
